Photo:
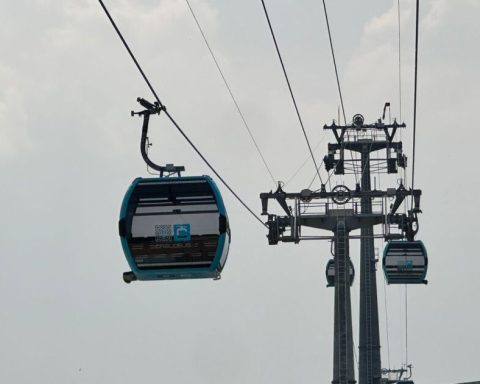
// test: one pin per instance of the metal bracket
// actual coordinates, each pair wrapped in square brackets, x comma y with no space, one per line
[153,109]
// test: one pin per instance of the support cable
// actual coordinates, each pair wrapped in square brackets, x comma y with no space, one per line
[162,106]
[399,60]
[300,167]
[386,321]
[317,169]
[230,92]
[334,62]
[331,173]
[406,325]
[400,98]
[401,325]
[337,76]
[413,150]
[355,315]
[387,327]
[415,95]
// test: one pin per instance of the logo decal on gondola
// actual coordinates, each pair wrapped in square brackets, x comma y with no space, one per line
[181,232]
[163,233]
[405,265]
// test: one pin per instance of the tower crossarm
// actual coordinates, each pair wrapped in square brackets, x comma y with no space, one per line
[341,195]
[326,207]
[353,220]
[286,229]
[357,146]
[358,125]
[364,139]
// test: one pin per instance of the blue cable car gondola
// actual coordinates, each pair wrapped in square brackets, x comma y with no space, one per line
[330,273]
[172,227]
[405,262]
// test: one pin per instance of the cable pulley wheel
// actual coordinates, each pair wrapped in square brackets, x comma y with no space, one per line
[342,194]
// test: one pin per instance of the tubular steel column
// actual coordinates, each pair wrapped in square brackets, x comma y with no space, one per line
[343,364]
[370,370]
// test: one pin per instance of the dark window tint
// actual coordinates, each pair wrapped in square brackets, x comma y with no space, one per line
[173,224]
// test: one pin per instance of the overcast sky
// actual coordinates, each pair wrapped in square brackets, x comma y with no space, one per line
[69,149]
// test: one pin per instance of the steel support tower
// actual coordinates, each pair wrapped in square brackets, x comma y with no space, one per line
[369,347]
[343,368]
[343,211]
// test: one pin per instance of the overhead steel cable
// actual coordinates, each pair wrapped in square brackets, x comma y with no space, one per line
[300,167]
[417,23]
[399,21]
[317,169]
[415,94]
[337,76]
[387,329]
[414,126]
[406,325]
[162,106]
[231,93]
[334,62]
[400,96]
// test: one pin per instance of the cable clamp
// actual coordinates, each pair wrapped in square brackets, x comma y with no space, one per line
[150,108]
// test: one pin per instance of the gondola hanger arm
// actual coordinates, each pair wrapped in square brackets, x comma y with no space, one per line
[150,109]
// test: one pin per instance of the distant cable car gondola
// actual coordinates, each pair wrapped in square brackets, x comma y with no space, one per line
[172,227]
[405,262]
[330,273]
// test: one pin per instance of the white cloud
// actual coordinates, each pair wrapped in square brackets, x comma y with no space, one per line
[437,14]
